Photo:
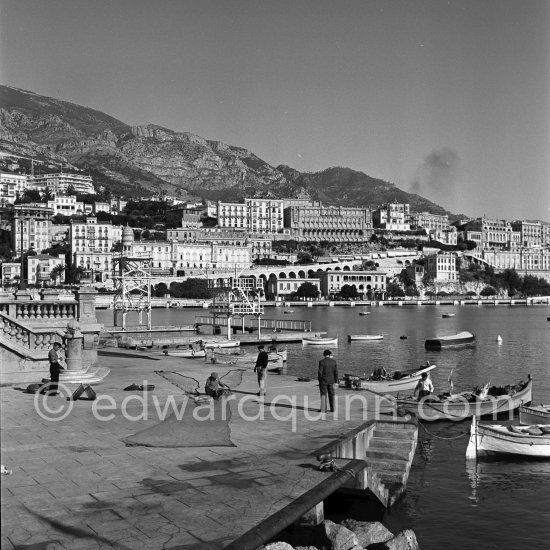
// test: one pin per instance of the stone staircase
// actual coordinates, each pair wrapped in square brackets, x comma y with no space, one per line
[389,454]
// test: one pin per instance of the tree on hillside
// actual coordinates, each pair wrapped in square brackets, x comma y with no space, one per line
[488,291]
[307,290]
[394,290]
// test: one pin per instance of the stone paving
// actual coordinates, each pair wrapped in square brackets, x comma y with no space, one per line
[75,484]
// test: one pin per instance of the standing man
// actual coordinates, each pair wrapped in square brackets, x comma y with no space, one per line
[261,368]
[424,386]
[54,357]
[328,378]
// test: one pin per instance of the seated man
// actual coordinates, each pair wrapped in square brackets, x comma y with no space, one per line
[379,374]
[214,387]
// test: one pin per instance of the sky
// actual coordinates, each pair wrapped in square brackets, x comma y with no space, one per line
[449,99]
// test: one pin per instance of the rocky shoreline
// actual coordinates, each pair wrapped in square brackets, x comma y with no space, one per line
[347,535]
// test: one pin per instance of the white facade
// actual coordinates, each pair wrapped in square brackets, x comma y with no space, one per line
[428,221]
[60,182]
[445,236]
[256,215]
[369,284]
[285,288]
[102,207]
[11,272]
[392,217]
[11,186]
[441,267]
[66,205]
[39,268]
[34,220]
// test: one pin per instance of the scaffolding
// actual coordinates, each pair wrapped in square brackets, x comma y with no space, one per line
[132,289]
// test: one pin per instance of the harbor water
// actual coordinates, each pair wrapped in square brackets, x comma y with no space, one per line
[449,503]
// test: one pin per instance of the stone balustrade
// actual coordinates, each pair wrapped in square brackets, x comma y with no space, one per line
[30,338]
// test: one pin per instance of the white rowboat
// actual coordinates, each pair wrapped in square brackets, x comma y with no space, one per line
[352,337]
[320,341]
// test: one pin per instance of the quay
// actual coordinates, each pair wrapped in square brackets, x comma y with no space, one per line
[83,482]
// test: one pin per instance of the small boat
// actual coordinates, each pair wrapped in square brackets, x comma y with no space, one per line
[457,407]
[458,339]
[275,360]
[499,339]
[511,440]
[194,350]
[397,382]
[288,311]
[403,337]
[222,344]
[320,341]
[364,313]
[273,355]
[352,337]
[447,315]
[535,414]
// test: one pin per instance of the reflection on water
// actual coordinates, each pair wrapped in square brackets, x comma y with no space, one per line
[502,504]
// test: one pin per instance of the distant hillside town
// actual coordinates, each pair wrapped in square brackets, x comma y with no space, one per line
[58,228]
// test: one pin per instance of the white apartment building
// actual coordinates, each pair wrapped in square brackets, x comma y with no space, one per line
[102,207]
[285,288]
[441,267]
[531,232]
[39,268]
[234,215]
[491,234]
[393,216]
[428,221]
[11,186]
[30,225]
[369,284]
[66,205]
[11,273]
[265,215]
[447,236]
[60,182]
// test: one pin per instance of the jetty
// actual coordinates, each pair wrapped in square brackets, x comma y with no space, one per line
[87,483]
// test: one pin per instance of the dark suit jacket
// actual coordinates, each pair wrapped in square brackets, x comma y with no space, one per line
[328,371]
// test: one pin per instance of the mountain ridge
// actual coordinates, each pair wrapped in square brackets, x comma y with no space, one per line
[149,158]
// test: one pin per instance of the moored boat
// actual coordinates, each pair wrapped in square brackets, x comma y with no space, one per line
[320,341]
[352,337]
[276,360]
[459,339]
[460,406]
[194,350]
[509,440]
[273,355]
[535,414]
[398,382]
[447,315]
[364,313]
[222,344]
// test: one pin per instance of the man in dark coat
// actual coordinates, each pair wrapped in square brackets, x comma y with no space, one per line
[328,378]
[55,368]
[261,368]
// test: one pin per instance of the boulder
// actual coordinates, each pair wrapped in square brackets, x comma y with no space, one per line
[368,532]
[338,537]
[405,540]
[306,548]
[278,546]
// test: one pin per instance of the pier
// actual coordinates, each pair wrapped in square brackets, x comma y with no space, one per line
[76,481]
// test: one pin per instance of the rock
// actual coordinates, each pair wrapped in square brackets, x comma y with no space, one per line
[278,546]
[368,532]
[306,548]
[405,540]
[338,537]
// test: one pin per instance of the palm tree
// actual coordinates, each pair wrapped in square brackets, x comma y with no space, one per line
[57,273]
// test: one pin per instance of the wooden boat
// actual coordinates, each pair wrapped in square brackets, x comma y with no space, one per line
[364,313]
[447,315]
[399,382]
[248,360]
[511,440]
[288,311]
[352,337]
[458,339]
[222,344]
[273,355]
[320,341]
[536,414]
[464,405]
[194,350]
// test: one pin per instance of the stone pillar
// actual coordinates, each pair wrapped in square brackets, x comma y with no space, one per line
[314,517]
[85,296]
[49,294]
[73,346]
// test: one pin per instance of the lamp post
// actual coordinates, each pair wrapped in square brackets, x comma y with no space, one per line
[22,280]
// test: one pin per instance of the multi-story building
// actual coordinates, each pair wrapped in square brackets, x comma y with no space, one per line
[447,236]
[59,233]
[40,267]
[11,186]
[441,267]
[30,226]
[428,221]
[490,234]
[369,284]
[66,205]
[328,223]
[234,215]
[393,216]
[545,233]
[91,247]
[283,289]
[117,205]
[265,215]
[102,207]
[11,273]
[523,260]
[59,183]
[531,232]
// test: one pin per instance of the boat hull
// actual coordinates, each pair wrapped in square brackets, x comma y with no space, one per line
[405,384]
[223,344]
[320,341]
[190,354]
[461,409]
[497,439]
[534,415]
[460,339]
[354,337]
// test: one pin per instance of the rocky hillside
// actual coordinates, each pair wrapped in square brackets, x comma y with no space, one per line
[150,159]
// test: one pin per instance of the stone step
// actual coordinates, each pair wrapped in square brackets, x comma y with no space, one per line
[389,477]
[380,443]
[383,465]
[396,426]
[393,434]
[398,456]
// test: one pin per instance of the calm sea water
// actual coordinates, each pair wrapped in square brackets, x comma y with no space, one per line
[499,503]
